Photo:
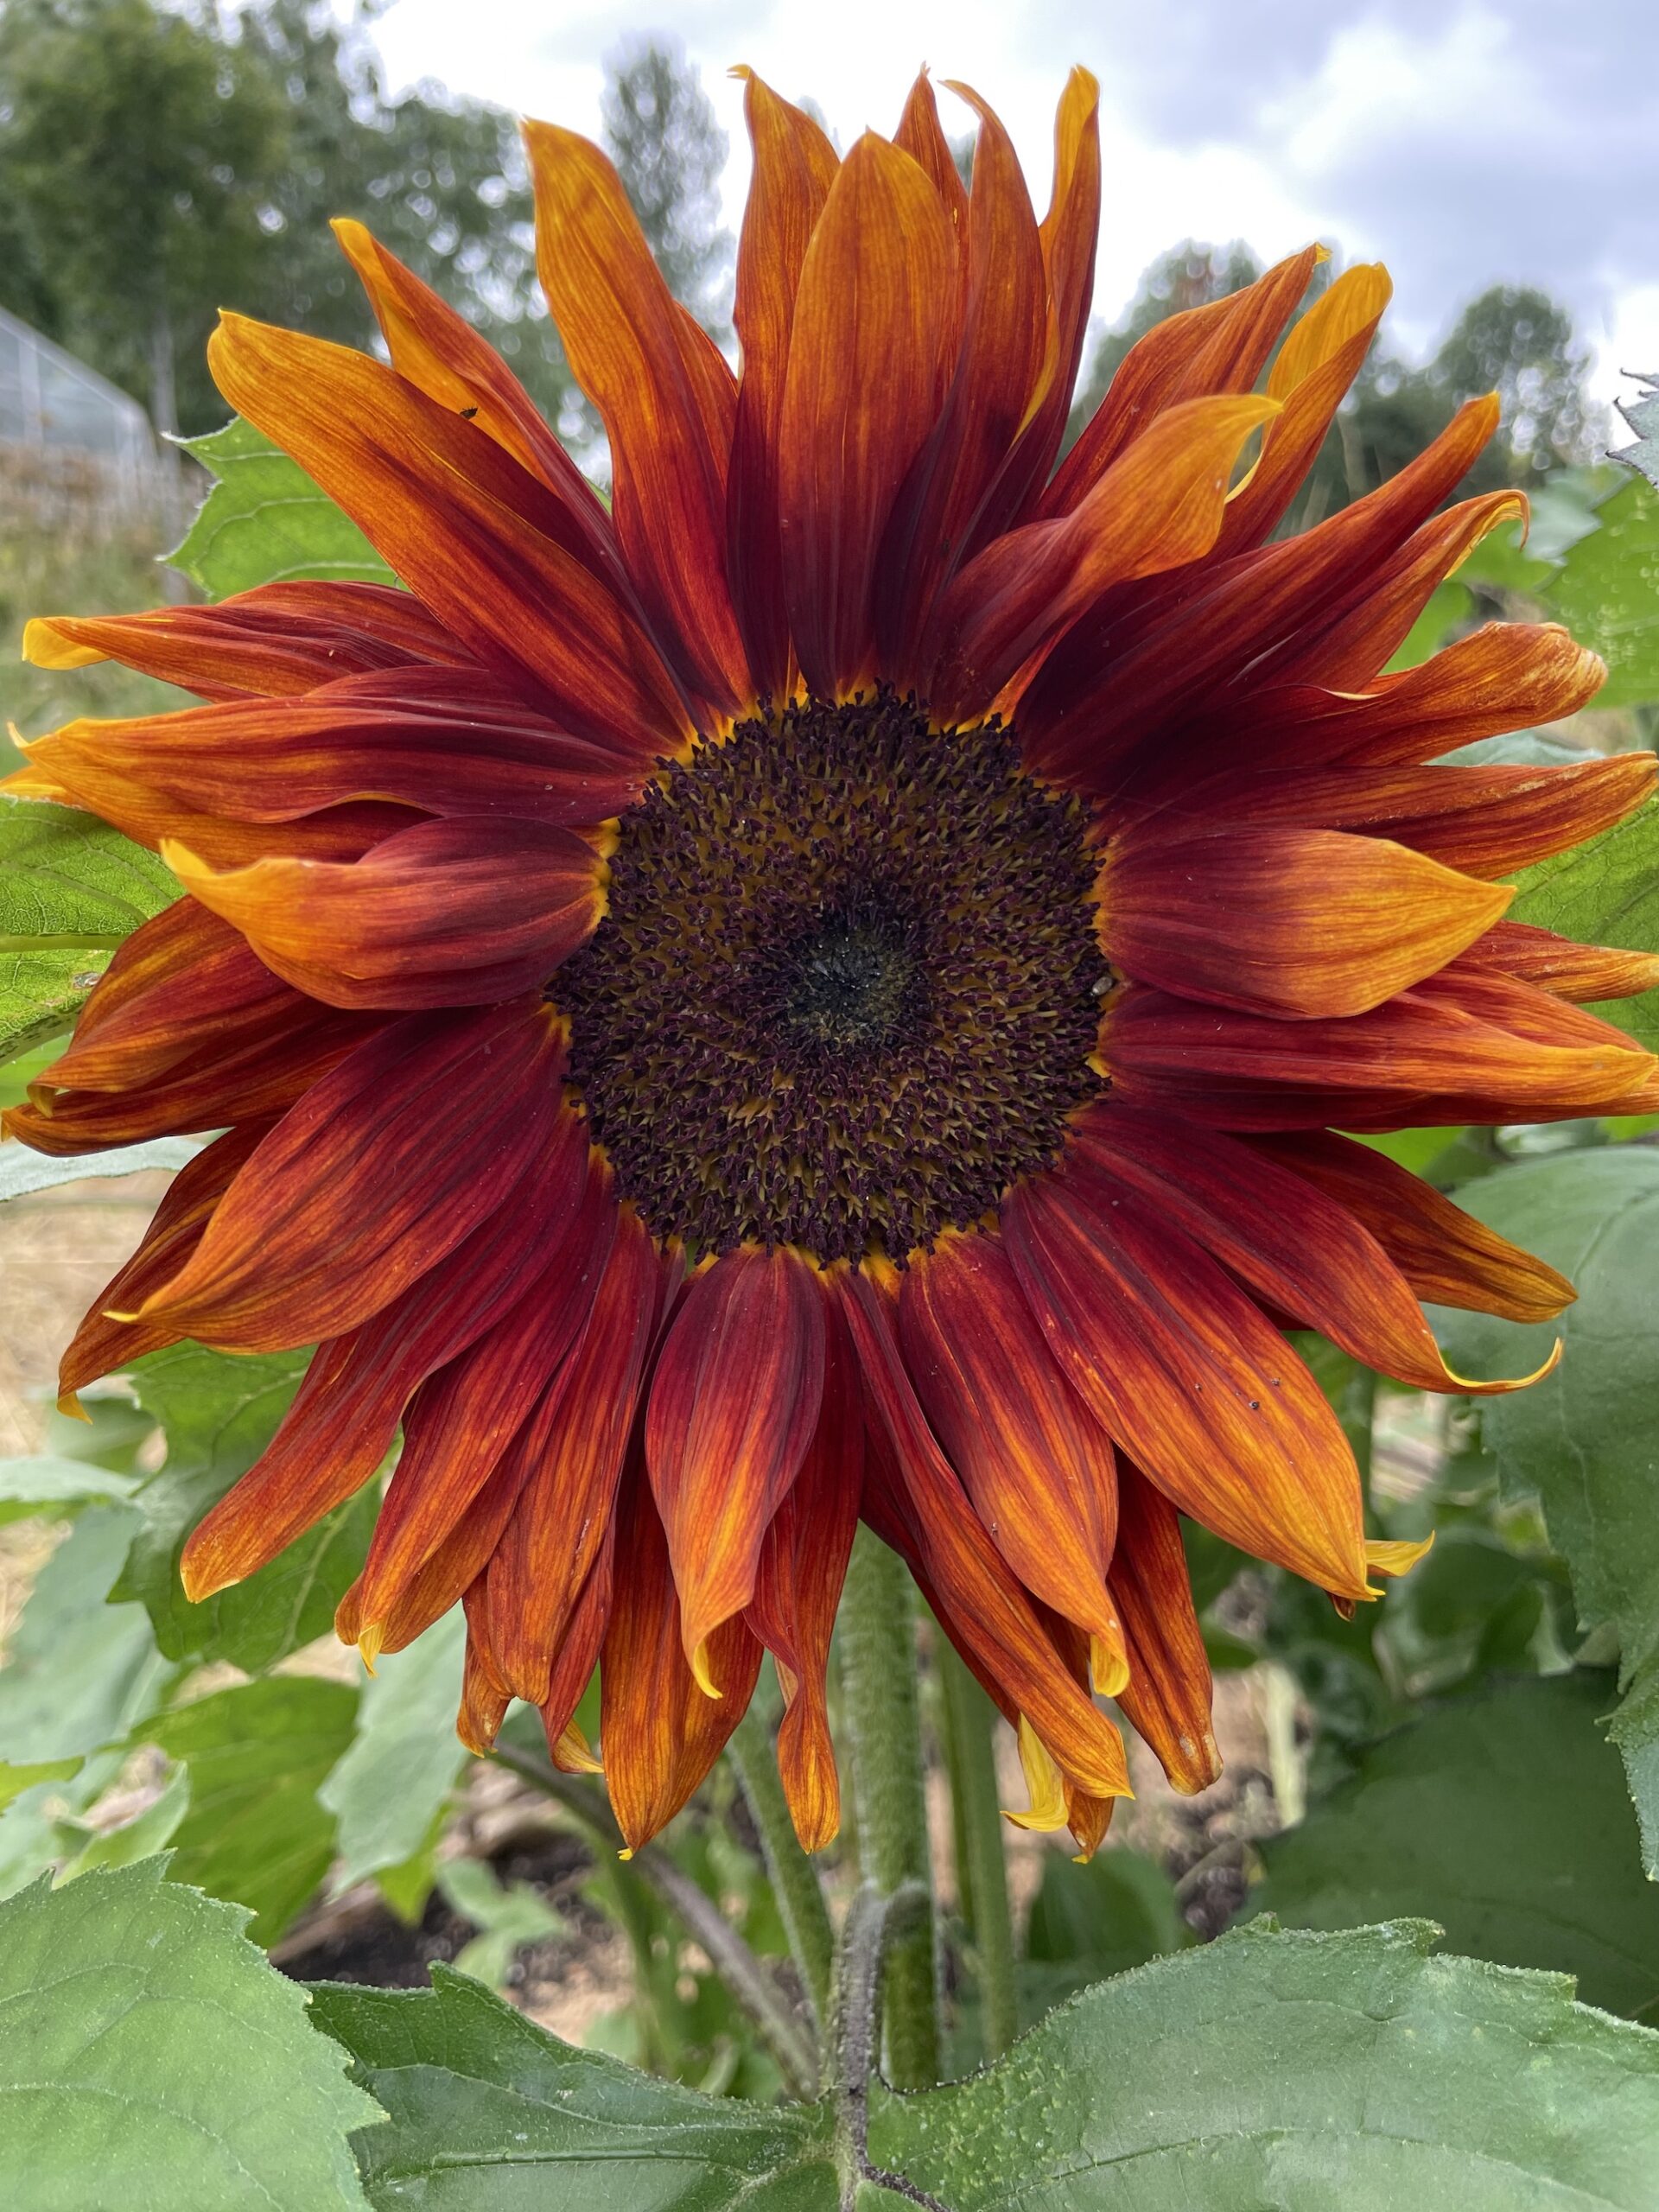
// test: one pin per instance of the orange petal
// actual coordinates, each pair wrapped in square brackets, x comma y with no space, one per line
[1000,355]
[1421,1060]
[448,913]
[734,1405]
[573,1447]
[1310,376]
[794,167]
[867,359]
[1037,1467]
[1117,681]
[447,741]
[666,398]
[407,1144]
[798,1588]
[174,1230]
[1189,1377]
[1285,921]
[1447,1256]
[660,1733]
[1220,348]
[1300,1251]
[496,573]
[927,1514]
[274,641]
[1580,972]
[1159,507]
[440,351]
[1168,1696]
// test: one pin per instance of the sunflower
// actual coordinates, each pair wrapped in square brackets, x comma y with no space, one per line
[824,989]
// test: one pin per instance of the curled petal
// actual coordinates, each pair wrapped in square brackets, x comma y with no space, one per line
[1168,1697]
[360,1155]
[1583,972]
[1189,1377]
[931,1519]
[1301,1251]
[447,913]
[1446,1255]
[658,1731]
[1037,1467]
[798,1588]
[734,1405]
[1287,921]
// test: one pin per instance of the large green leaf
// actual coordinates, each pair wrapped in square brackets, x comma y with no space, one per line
[255,1831]
[1607,593]
[393,1782]
[1605,892]
[71,889]
[1281,2072]
[265,521]
[1502,1817]
[151,2058]
[220,1411]
[77,1671]
[1585,1441]
[490,2114]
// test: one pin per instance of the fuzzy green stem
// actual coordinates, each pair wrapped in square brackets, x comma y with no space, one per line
[970,1720]
[794,1883]
[883,1730]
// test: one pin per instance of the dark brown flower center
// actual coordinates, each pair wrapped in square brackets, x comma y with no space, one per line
[847,987]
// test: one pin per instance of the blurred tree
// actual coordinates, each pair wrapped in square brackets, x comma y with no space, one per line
[136,149]
[660,130]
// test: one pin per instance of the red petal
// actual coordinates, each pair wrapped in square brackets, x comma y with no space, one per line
[1189,1377]
[356,1194]
[1167,1700]
[734,1405]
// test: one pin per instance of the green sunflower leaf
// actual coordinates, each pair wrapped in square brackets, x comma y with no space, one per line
[1503,1816]
[1607,592]
[1605,892]
[149,2056]
[71,889]
[1584,1442]
[393,1781]
[78,1671]
[255,1832]
[488,2113]
[218,1412]
[1300,2072]
[266,522]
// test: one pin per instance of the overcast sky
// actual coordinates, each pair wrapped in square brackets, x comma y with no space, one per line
[1464,142]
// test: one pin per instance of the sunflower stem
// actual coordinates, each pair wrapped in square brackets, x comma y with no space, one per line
[877,1626]
[875,1920]
[796,1885]
[970,1722]
[702,1918]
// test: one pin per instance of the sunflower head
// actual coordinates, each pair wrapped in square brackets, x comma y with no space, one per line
[827,988]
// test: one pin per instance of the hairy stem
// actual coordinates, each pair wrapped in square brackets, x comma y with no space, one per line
[702,1918]
[878,1659]
[796,1885]
[970,1719]
[874,1925]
